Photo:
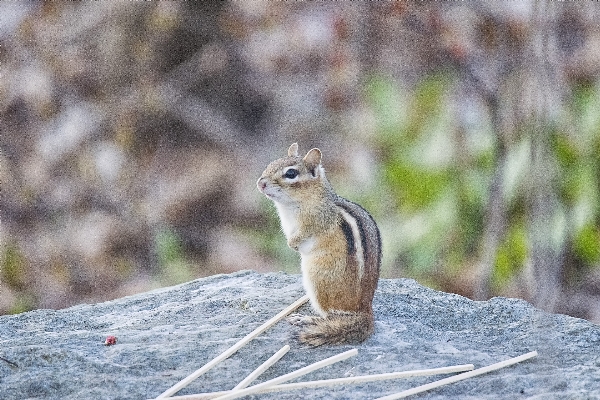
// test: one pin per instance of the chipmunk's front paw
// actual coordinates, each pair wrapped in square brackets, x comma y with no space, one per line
[300,320]
[294,243]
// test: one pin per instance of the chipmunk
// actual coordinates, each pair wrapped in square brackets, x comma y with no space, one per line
[339,244]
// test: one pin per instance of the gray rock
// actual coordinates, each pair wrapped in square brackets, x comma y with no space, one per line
[165,335]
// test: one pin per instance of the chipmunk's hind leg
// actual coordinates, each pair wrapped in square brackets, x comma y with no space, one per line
[339,327]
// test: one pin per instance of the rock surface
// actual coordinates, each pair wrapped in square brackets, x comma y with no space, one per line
[164,335]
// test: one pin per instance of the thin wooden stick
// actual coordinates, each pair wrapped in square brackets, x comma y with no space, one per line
[291,375]
[342,381]
[200,396]
[186,381]
[459,377]
[263,367]
[371,378]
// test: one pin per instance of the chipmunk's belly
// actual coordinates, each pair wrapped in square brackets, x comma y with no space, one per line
[328,282]
[309,286]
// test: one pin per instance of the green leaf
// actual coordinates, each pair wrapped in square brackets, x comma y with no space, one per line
[586,244]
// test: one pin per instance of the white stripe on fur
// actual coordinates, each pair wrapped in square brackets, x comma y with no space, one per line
[360,256]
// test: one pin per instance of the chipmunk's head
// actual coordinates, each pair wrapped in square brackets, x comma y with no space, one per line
[293,179]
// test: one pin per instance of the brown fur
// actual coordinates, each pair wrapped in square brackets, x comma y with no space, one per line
[338,328]
[329,231]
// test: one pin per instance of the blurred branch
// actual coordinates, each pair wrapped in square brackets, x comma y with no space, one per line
[202,117]
[495,216]
[495,228]
[495,224]
[544,93]
[192,110]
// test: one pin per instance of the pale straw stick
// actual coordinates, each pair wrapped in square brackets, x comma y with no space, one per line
[263,367]
[459,377]
[370,378]
[291,375]
[183,383]
[200,396]
[342,381]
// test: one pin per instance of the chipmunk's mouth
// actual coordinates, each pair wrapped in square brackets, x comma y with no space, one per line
[270,193]
[273,194]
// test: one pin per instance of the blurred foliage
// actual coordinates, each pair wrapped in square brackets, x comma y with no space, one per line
[132,134]
[13,267]
[13,271]
[439,195]
[172,262]
[577,152]
[511,255]
[436,182]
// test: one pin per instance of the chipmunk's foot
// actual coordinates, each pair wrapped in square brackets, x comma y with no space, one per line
[301,320]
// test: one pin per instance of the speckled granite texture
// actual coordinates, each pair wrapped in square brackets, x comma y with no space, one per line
[166,334]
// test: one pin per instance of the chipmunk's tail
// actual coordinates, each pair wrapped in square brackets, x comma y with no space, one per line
[339,327]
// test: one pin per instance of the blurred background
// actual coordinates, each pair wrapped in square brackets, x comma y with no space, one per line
[132,135]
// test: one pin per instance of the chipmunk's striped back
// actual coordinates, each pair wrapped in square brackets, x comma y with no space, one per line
[364,244]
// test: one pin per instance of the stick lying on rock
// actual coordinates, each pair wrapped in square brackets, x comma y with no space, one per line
[234,394]
[184,382]
[459,377]
[274,384]
[340,381]
[371,378]
[263,367]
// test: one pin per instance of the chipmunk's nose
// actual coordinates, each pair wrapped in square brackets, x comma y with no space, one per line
[261,184]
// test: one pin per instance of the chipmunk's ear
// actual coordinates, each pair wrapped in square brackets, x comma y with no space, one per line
[312,159]
[293,150]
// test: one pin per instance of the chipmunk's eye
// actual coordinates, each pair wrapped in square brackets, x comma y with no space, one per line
[291,173]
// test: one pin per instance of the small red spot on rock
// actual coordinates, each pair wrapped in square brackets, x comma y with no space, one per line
[110,340]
